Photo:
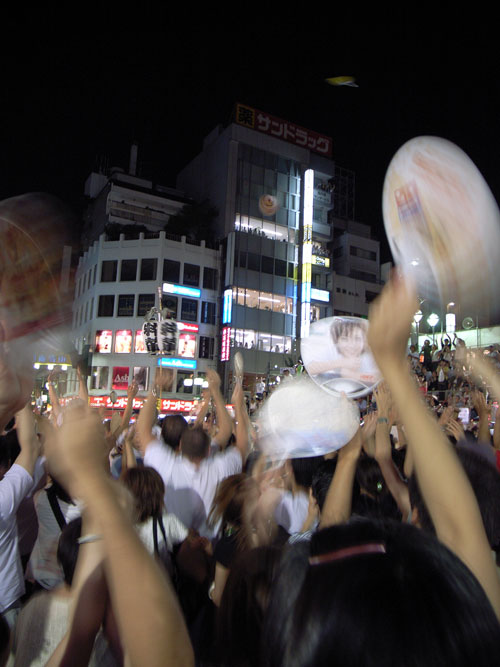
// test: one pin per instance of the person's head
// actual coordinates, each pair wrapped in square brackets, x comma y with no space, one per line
[194,444]
[9,451]
[67,548]
[243,605]
[349,336]
[235,502]
[321,481]
[172,429]
[303,470]
[148,490]
[485,482]
[377,593]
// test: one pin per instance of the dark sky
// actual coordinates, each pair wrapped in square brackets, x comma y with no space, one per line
[67,101]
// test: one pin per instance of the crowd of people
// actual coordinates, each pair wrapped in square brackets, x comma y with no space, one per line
[171,543]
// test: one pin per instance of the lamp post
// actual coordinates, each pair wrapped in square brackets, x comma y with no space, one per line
[416,318]
[432,320]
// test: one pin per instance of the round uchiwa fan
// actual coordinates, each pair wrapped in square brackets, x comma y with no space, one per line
[300,420]
[33,318]
[443,224]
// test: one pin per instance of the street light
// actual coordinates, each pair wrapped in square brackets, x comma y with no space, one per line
[432,320]
[416,318]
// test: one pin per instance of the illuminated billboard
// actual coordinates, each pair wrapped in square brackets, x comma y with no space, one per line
[170,362]
[187,346]
[123,341]
[139,346]
[170,288]
[103,340]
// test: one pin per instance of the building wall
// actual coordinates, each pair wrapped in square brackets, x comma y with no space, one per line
[92,285]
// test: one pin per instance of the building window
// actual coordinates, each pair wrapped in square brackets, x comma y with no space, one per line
[106,305]
[108,271]
[209,278]
[191,275]
[171,270]
[99,377]
[364,254]
[208,312]
[206,347]
[183,387]
[267,264]
[148,269]
[362,275]
[170,303]
[126,305]
[253,261]
[280,267]
[128,270]
[189,310]
[338,252]
[146,302]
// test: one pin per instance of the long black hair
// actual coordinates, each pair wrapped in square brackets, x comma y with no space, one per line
[408,602]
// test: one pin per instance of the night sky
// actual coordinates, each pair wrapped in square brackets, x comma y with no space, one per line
[67,102]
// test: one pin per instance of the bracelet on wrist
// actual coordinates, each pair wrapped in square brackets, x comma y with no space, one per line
[87,539]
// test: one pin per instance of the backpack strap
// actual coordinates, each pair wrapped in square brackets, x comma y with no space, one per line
[56,509]
[158,520]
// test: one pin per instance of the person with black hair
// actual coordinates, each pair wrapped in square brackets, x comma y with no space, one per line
[191,477]
[377,593]
[292,509]
[54,509]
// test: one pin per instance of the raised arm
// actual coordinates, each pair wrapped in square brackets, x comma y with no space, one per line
[163,380]
[200,417]
[132,390]
[224,422]
[238,400]
[481,407]
[338,502]
[149,618]
[444,485]
[28,439]
[383,454]
[53,397]
[83,392]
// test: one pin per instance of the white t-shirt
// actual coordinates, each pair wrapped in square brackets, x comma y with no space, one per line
[190,488]
[291,511]
[175,532]
[43,565]
[15,485]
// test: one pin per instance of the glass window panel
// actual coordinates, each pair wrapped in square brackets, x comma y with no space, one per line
[106,305]
[191,275]
[146,302]
[108,271]
[252,298]
[264,342]
[148,268]
[171,270]
[209,278]
[207,312]
[189,310]
[280,267]
[126,305]
[267,264]
[253,261]
[128,270]
[99,377]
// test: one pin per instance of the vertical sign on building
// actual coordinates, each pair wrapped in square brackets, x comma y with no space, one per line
[226,339]
[305,315]
[228,306]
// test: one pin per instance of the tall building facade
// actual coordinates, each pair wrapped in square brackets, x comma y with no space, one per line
[271,182]
[117,283]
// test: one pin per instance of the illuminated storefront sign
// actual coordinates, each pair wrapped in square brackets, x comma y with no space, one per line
[321,261]
[168,362]
[187,346]
[123,341]
[305,315]
[139,346]
[170,288]
[283,129]
[120,377]
[103,341]
[228,306]
[174,405]
[320,294]
[226,341]
[119,404]
[188,328]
